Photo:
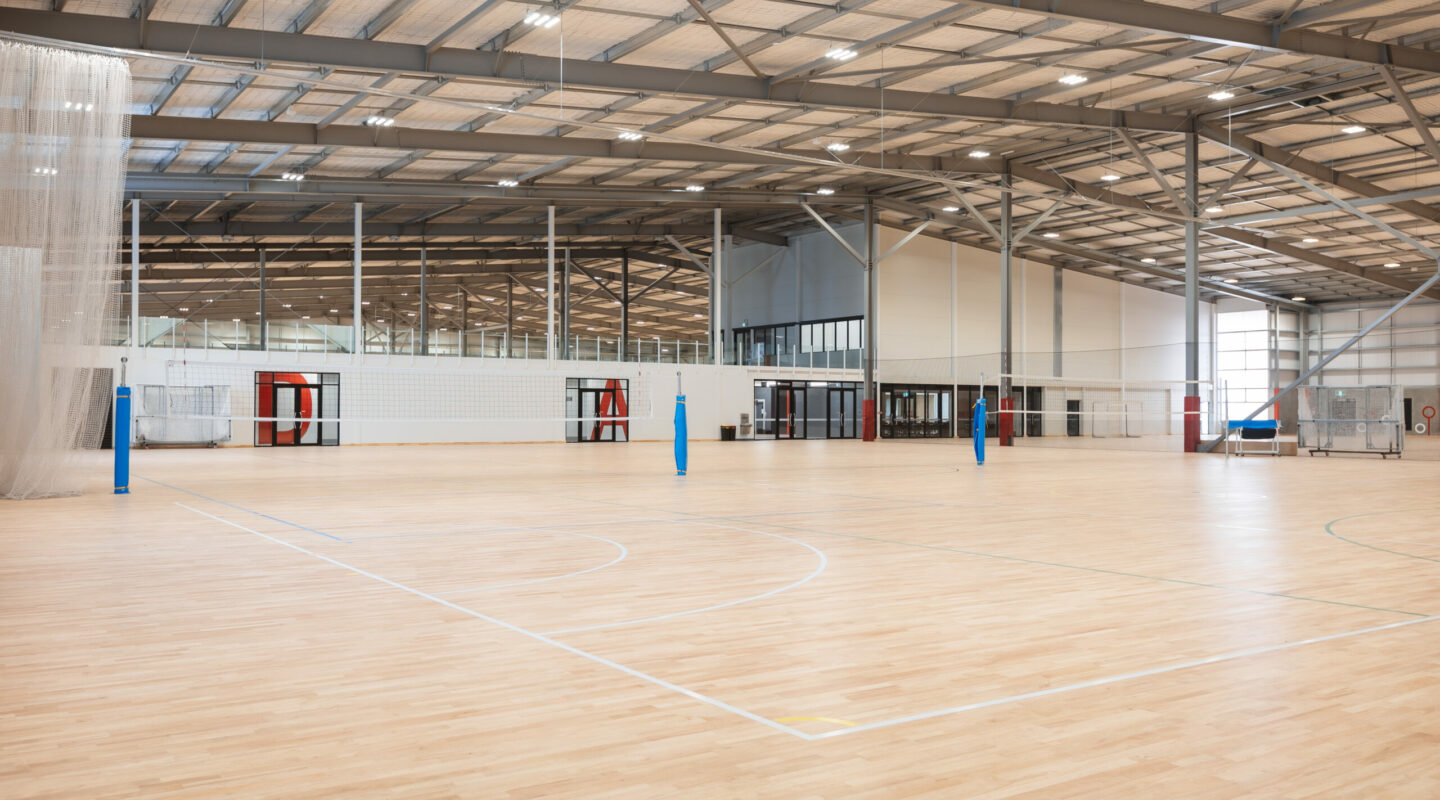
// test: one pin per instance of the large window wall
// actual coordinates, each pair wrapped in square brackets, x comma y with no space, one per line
[821,343]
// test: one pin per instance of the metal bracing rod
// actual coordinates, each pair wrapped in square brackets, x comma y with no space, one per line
[1419,290]
[606,289]
[1417,120]
[834,234]
[904,240]
[651,284]
[703,265]
[1155,173]
[975,213]
[725,37]
[1240,147]
[1320,208]
[1229,184]
[1035,223]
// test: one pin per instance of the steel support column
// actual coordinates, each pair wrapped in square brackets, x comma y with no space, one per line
[868,426]
[424,313]
[717,343]
[357,323]
[1192,292]
[550,283]
[1005,422]
[1057,334]
[264,335]
[624,303]
[135,274]
[565,308]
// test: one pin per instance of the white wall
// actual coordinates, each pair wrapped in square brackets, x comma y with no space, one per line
[715,396]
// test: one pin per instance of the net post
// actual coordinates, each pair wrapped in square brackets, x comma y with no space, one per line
[121,435]
[1192,423]
[1006,423]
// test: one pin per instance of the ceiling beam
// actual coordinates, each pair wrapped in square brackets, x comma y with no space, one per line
[1226,30]
[208,41]
[424,229]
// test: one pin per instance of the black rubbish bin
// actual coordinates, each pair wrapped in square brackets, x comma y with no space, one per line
[727,433]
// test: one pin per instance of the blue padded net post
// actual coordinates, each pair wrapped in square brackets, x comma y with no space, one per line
[681,431]
[978,429]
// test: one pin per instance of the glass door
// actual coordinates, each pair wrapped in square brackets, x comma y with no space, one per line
[840,413]
[792,411]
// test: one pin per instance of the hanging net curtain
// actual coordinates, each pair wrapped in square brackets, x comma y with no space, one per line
[64,132]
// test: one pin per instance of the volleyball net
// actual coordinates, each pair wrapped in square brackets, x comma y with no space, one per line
[208,402]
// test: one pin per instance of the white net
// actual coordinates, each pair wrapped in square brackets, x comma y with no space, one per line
[1099,412]
[182,415]
[63,134]
[405,394]
[1351,419]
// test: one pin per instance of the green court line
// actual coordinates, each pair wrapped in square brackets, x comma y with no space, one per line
[1330,529]
[1101,570]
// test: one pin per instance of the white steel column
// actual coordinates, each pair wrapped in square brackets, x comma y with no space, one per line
[357,322]
[135,273]
[550,283]
[1192,264]
[717,282]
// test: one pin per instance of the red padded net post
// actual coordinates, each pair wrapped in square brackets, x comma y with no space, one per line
[1006,423]
[1192,424]
[867,426]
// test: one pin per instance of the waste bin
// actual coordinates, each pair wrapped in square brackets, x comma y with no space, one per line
[727,433]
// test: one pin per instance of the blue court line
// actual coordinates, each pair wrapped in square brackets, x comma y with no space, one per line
[246,510]
[720,704]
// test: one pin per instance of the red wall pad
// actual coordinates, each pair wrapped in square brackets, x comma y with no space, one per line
[867,430]
[1192,424]
[1006,423]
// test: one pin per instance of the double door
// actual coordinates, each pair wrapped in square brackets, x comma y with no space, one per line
[294,412]
[915,413]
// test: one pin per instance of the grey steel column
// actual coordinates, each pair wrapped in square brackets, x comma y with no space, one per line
[565,308]
[870,304]
[424,309]
[550,283]
[624,303]
[264,338]
[1006,236]
[1058,333]
[1192,264]
[357,323]
[464,319]
[135,274]
[717,273]
[509,312]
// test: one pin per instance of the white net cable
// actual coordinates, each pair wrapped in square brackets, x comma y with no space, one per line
[1054,410]
[63,137]
[397,394]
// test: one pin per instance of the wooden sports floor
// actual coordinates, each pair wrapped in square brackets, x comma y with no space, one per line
[792,620]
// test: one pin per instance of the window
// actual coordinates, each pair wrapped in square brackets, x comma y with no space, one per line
[1243,361]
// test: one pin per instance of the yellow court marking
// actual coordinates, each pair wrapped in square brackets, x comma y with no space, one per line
[847,723]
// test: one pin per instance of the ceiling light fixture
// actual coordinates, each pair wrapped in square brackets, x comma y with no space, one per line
[507,182]
[841,54]
[1147,260]
[837,147]
[541,20]
[950,209]
[46,171]
[292,176]
[1110,178]
[1352,129]
[377,121]
[631,136]
[1231,280]
[694,187]
[825,190]
[1392,264]
[1298,298]
[1310,240]
[1223,94]
[978,153]
[1214,210]
[1052,235]
[1072,79]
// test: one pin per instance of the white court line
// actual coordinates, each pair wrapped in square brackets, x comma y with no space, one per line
[624,553]
[1115,679]
[740,712]
[787,587]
